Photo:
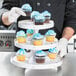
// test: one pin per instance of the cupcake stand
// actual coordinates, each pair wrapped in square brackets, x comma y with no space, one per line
[30,62]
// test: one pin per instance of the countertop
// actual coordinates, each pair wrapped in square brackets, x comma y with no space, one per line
[68,67]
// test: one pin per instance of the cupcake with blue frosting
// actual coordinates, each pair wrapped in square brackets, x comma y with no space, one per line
[30,32]
[40,56]
[39,19]
[47,16]
[52,53]
[33,14]
[50,36]
[27,9]
[21,55]
[38,39]
[21,36]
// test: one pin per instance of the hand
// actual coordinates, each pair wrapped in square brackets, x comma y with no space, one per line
[12,15]
[62,45]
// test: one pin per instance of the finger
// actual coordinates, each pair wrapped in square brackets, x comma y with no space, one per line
[20,12]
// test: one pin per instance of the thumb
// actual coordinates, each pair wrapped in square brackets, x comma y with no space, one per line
[63,52]
[63,46]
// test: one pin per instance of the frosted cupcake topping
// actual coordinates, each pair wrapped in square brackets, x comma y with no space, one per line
[39,18]
[53,50]
[40,53]
[37,36]
[46,13]
[26,7]
[20,33]
[30,31]
[34,13]
[21,52]
[51,32]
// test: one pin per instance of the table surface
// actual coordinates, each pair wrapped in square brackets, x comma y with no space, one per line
[8,69]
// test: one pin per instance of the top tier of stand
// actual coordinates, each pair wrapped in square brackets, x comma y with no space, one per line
[28,24]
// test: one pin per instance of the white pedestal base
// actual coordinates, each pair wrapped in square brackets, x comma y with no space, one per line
[55,69]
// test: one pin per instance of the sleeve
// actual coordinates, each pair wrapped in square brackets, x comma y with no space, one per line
[70,14]
[6,6]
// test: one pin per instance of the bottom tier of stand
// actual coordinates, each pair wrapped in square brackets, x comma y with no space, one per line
[31,64]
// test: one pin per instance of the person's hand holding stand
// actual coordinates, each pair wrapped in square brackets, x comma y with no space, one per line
[63,42]
[12,15]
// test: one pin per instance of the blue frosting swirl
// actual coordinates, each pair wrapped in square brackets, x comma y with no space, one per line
[30,31]
[40,53]
[26,7]
[53,50]
[20,33]
[34,13]
[21,52]
[46,13]
[37,36]
[51,32]
[39,18]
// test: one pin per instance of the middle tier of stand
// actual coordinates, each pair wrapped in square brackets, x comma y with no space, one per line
[30,46]
[29,24]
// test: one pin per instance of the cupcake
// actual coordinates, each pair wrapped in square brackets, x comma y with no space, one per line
[37,39]
[52,53]
[33,14]
[39,19]
[21,36]
[40,56]
[50,36]
[47,16]
[27,9]
[21,55]
[29,32]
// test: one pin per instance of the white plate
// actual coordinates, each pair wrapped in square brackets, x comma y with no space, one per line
[28,24]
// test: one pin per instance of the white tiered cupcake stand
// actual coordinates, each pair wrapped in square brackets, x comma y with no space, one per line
[30,63]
